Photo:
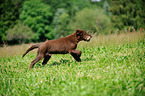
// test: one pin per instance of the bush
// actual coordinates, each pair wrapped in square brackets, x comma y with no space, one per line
[9,13]
[19,34]
[37,16]
[91,20]
[126,13]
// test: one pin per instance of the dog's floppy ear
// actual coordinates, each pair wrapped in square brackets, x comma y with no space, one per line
[79,32]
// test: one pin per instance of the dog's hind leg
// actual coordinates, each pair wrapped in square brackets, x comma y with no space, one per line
[38,58]
[46,59]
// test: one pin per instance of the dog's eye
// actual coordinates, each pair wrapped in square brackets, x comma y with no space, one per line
[81,34]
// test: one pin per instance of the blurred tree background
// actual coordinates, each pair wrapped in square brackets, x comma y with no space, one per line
[24,21]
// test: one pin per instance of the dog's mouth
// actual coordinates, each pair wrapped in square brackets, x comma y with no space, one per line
[88,38]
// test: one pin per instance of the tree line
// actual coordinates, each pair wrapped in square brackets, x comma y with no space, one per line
[24,21]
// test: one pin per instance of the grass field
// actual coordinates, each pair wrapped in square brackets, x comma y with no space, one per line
[112,65]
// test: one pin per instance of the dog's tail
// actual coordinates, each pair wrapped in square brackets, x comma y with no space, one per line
[31,48]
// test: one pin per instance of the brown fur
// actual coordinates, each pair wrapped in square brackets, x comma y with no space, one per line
[63,45]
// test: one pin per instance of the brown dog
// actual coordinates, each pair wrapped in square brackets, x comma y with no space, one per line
[63,45]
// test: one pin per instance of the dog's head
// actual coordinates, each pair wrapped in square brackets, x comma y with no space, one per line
[82,35]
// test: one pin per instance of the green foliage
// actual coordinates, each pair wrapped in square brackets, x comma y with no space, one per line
[63,12]
[63,24]
[104,70]
[127,13]
[50,19]
[9,13]
[91,20]
[71,6]
[37,16]
[19,34]
[56,4]
[61,21]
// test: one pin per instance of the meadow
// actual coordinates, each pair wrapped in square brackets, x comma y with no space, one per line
[112,65]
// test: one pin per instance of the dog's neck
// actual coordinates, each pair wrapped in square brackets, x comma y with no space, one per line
[74,38]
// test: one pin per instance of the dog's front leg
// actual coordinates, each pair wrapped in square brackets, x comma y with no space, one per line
[76,54]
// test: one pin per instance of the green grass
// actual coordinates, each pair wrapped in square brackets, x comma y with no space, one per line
[116,69]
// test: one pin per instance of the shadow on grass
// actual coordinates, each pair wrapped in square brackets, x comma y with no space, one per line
[54,64]
[89,58]
[63,61]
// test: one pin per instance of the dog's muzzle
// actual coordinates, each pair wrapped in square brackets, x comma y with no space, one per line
[88,38]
